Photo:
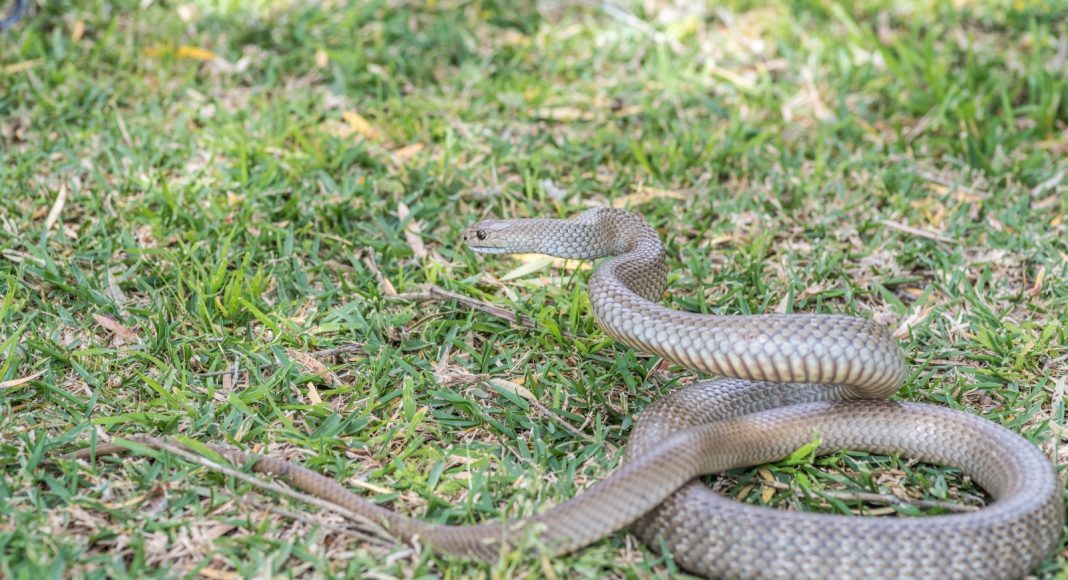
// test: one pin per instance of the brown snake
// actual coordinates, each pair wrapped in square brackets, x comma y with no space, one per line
[791,378]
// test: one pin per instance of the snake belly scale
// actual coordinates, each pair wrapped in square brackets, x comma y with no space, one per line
[785,379]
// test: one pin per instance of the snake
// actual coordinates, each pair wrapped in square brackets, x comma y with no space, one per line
[783,381]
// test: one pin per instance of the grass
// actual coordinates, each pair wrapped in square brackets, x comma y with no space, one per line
[239,186]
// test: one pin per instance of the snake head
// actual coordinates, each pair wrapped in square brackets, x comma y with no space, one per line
[495,237]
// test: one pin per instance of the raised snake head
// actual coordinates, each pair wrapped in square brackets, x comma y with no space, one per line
[503,236]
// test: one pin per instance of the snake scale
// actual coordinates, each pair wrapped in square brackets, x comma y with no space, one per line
[786,379]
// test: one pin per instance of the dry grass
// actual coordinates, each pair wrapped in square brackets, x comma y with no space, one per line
[216,219]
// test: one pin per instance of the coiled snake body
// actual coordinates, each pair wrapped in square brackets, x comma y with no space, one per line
[791,377]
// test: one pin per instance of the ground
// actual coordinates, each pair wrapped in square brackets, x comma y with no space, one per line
[238,222]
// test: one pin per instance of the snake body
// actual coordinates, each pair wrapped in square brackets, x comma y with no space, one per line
[790,378]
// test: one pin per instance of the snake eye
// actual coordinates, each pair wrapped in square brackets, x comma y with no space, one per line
[481,234]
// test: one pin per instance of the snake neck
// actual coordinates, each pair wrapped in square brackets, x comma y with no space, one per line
[639,266]
[849,357]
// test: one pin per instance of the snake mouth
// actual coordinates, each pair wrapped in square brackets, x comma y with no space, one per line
[488,250]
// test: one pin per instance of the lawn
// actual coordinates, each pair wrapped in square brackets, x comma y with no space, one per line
[238,223]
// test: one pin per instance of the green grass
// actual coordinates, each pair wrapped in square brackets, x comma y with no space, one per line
[227,217]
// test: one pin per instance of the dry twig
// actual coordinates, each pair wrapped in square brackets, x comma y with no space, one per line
[431,292]
[948,183]
[367,530]
[918,232]
[878,498]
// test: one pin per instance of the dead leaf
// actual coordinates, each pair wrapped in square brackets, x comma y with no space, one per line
[744,492]
[57,208]
[617,107]
[184,51]
[780,308]
[766,492]
[114,291]
[546,566]
[313,394]
[218,530]
[1049,184]
[531,263]
[739,81]
[1047,203]
[514,388]
[313,366]
[812,290]
[563,114]
[17,257]
[370,486]
[378,71]
[22,66]
[535,262]
[187,12]
[903,329]
[718,240]
[322,60]
[77,31]
[645,194]
[919,232]
[383,283]
[448,375]
[194,53]
[412,231]
[554,192]
[1037,286]
[513,37]
[22,381]
[119,505]
[218,574]
[405,153]
[361,126]
[116,327]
